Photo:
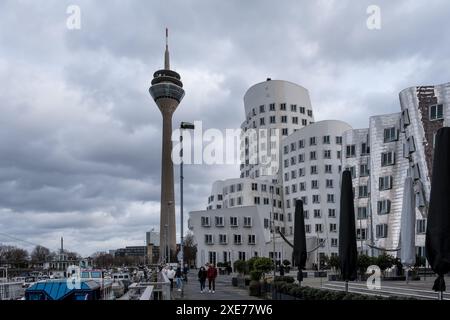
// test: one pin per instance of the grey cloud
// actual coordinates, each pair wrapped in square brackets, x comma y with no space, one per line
[80,137]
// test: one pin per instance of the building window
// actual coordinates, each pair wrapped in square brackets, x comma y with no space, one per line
[247,222]
[223,239]
[361,234]
[241,255]
[326,139]
[310,113]
[385,183]
[362,213]
[209,239]
[329,183]
[283,106]
[421,226]
[338,154]
[390,134]
[288,202]
[251,239]
[272,119]
[266,201]
[334,242]
[219,222]
[301,172]
[317,213]
[257,200]
[237,239]
[333,227]
[301,144]
[319,228]
[332,213]
[382,230]
[295,120]
[289,215]
[364,170]
[328,168]
[283,119]
[314,184]
[302,110]
[302,186]
[205,222]
[233,222]
[301,157]
[312,141]
[293,107]
[365,150]
[316,198]
[262,109]
[307,228]
[384,206]
[284,131]
[387,158]
[312,155]
[330,198]
[338,140]
[437,112]
[306,214]
[305,200]
[327,154]
[304,122]
[363,191]
[351,151]
[313,169]
[266,223]
[272,107]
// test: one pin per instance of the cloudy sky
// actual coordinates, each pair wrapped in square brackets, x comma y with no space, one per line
[80,136]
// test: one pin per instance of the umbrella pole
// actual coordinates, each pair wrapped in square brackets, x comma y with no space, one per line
[346,286]
[441,295]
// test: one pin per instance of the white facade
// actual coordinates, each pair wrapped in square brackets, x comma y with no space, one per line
[311,157]
[228,235]
[311,172]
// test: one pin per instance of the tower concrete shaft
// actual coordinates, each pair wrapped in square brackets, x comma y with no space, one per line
[167,92]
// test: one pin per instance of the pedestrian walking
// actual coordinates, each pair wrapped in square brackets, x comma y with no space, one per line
[212,275]
[202,275]
[178,278]
[171,275]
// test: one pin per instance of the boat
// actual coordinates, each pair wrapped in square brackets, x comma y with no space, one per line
[89,285]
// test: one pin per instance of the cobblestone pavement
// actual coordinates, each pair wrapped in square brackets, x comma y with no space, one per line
[224,290]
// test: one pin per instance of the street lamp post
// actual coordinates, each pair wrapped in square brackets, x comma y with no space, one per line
[183,126]
[166,249]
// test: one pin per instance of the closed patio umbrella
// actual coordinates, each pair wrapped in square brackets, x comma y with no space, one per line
[408,223]
[347,233]
[437,243]
[300,254]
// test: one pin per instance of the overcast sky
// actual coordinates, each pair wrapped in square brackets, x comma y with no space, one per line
[80,136]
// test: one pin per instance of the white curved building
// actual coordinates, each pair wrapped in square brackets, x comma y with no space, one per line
[281,108]
[311,172]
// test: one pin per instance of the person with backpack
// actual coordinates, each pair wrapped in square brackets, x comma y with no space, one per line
[202,275]
[212,275]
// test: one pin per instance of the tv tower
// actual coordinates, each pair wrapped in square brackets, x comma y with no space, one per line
[167,92]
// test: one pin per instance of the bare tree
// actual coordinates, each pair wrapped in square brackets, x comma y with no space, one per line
[190,249]
[14,256]
[40,254]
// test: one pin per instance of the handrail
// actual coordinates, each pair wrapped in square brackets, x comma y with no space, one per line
[383,249]
[292,246]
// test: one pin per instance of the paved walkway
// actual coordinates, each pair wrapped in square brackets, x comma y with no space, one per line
[224,290]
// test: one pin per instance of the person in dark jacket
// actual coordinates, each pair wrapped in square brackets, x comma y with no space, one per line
[212,275]
[202,274]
